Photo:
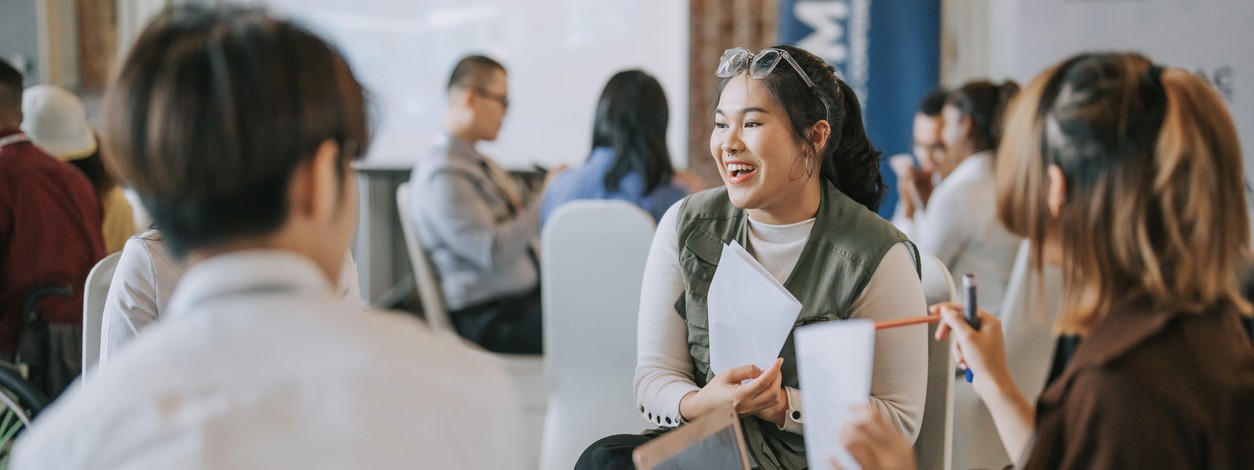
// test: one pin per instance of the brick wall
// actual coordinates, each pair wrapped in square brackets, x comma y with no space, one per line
[718,25]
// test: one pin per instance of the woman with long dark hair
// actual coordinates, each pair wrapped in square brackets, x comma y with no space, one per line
[629,160]
[801,183]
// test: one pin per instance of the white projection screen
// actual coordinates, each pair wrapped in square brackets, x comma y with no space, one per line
[559,54]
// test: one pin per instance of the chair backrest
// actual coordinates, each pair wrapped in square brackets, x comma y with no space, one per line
[932,448]
[594,257]
[938,283]
[433,308]
[95,290]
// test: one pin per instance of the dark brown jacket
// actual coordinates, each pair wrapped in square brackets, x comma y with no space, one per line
[1152,389]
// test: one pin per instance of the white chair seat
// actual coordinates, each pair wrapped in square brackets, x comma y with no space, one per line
[594,256]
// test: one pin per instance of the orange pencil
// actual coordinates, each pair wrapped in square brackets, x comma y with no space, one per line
[880,325]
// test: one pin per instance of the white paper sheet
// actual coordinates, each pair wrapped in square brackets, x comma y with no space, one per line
[834,369]
[750,312]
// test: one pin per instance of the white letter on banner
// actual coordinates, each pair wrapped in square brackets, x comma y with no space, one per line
[827,40]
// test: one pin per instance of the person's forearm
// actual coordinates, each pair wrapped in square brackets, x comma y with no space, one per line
[1014,417]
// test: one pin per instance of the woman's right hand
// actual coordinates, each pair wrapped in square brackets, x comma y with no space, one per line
[982,351]
[873,442]
[759,393]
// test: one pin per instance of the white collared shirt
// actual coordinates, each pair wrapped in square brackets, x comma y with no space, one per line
[259,364]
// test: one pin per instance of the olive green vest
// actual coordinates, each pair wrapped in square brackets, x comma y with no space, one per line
[844,249]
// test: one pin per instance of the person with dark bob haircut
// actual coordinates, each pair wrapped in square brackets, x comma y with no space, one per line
[801,183]
[238,131]
[1128,176]
[629,159]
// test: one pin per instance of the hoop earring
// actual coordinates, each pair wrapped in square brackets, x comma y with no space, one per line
[809,167]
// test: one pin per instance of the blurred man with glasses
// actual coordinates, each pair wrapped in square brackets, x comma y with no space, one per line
[477,231]
[915,181]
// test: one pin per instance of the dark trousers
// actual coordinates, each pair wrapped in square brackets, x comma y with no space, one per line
[510,325]
[611,453]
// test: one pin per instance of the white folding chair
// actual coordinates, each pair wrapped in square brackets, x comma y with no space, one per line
[1027,313]
[432,297]
[594,256]
[938,283]
[933,447]
[95,290]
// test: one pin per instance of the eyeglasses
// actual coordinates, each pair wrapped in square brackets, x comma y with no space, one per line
[760,65]
[503,99]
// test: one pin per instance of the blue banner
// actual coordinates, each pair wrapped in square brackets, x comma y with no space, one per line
[889,52]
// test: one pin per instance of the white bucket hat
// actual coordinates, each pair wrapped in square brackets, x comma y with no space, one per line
[56,121]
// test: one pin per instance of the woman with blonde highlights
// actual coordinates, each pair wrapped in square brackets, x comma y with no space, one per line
[1128,176]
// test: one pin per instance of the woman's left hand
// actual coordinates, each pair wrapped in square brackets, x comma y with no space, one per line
[874,443]
[777,413]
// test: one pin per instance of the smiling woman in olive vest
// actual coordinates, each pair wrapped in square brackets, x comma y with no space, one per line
[801,182]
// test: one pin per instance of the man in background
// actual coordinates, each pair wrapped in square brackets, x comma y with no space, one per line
[915,182]
[50,234]
[474,226]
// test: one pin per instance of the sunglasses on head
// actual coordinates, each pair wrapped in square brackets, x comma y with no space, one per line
[760,65]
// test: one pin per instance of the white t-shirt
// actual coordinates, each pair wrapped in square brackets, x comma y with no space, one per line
[664,371]
[258,364]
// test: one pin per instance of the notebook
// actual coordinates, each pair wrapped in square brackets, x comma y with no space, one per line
[714,441]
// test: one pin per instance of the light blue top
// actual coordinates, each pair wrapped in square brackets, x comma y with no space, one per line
[588,182]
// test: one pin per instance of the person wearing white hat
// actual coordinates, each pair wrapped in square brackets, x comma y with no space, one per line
[56,121]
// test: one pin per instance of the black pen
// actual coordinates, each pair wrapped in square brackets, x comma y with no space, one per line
[970,309]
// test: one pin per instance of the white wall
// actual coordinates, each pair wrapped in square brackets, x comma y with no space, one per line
[1019,38]
[19,37]
[559,54]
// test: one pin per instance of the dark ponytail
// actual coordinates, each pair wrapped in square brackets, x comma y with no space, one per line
[985,103]
[848,160]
